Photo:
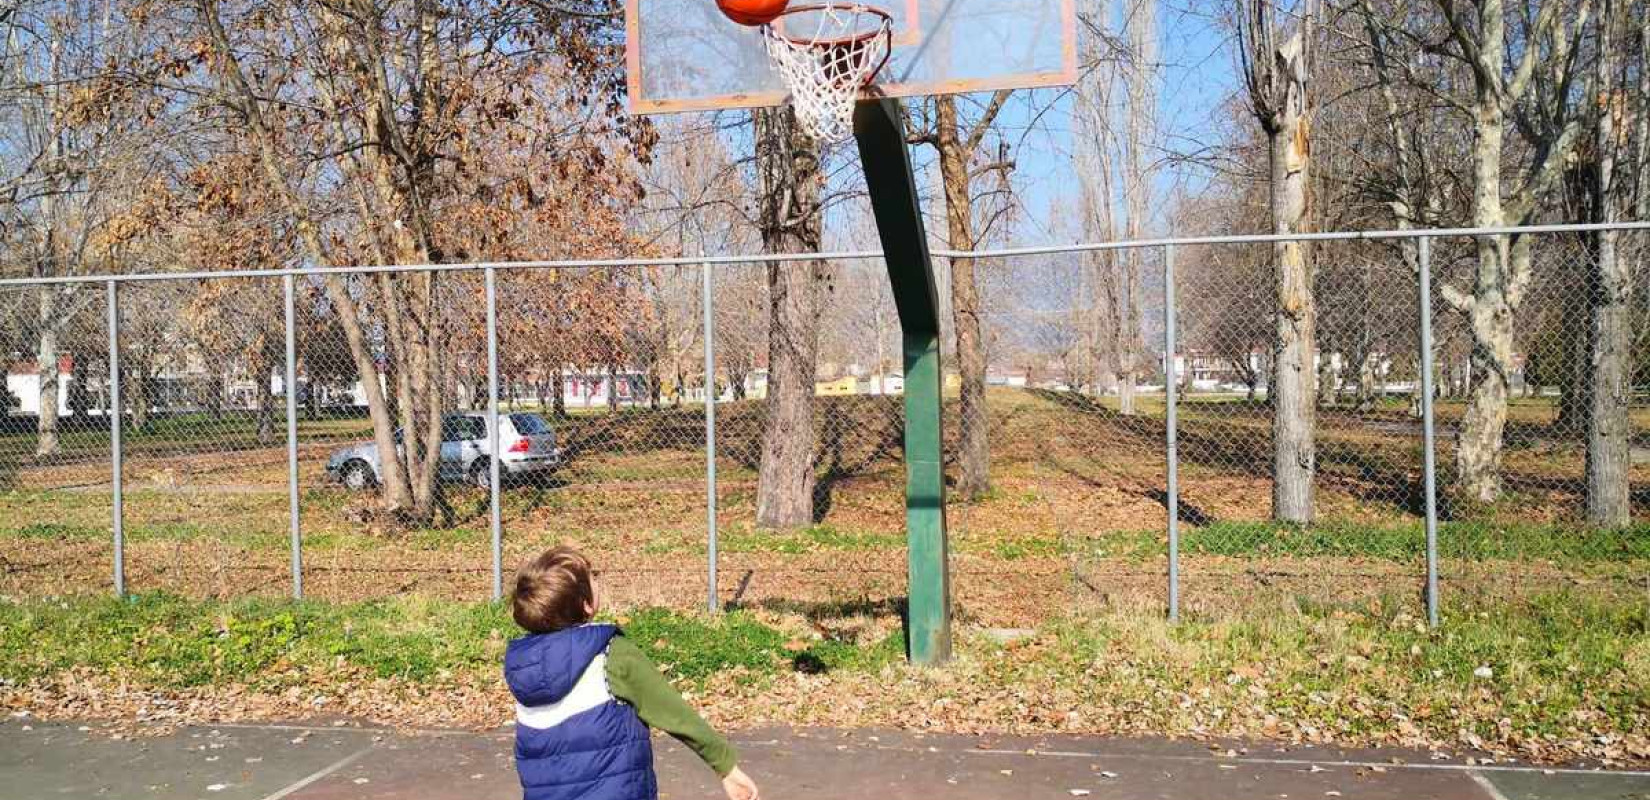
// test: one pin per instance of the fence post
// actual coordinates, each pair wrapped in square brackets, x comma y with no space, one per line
[492,434]
[291,386]
[1429,464]
[116,512]
[708,303]
[1171,430]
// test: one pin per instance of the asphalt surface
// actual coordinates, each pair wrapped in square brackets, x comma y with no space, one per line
[272,762]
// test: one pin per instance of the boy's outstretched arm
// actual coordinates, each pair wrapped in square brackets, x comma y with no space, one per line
[631,677]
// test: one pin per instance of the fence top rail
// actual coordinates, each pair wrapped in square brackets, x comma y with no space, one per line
[847,255]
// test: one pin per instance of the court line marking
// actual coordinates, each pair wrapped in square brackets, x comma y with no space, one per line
[1488,787]
[320,773]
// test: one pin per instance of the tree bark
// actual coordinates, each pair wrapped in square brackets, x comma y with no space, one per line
[1608,428]
[262,367]
[788,163]
[974,450]
[558,393]
[1294,449]
[1478,445]
[46,361]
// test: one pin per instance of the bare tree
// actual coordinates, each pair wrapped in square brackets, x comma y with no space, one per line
[957,145]
[1535,88]
[77,147]
[1277,75]
[789,176]
[1140,29]
[1610,284]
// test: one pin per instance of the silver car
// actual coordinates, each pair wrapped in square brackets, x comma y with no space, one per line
[528,443]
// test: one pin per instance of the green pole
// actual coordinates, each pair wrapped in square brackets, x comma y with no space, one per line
[880,131]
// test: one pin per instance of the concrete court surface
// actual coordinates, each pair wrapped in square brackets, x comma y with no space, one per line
[40,760]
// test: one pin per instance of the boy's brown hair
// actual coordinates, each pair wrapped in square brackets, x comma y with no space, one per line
[553,591]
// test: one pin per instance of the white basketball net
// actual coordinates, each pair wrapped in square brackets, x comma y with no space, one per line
[826,70]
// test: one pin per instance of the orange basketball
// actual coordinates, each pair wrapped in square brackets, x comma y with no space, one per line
[752,12]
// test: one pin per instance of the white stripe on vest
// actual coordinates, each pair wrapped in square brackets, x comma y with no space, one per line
[591,691]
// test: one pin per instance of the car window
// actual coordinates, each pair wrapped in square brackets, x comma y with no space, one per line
[462,429]
[530,424]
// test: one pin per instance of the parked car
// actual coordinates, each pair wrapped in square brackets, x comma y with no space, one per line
[528,442]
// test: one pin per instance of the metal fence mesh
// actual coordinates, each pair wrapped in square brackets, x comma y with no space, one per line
[602,391]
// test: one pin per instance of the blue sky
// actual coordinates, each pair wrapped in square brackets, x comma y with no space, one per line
[1198,72]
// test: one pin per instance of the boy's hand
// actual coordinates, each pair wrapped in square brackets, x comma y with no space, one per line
[739,786]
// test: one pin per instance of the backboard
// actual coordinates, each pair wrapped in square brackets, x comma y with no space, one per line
[684,55]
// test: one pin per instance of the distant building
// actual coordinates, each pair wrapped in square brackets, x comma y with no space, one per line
[23,382]
[841,387]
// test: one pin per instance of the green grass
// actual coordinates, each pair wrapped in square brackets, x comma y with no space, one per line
[1552,660]
[235,430]
[813,539]
[167,641]
[1396,542]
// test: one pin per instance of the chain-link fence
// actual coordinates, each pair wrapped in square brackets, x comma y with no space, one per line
[332,432]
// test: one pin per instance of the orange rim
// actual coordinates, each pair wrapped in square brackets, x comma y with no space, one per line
[886,26]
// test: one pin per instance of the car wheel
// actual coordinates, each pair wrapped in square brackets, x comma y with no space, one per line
[481,475]
[358,476]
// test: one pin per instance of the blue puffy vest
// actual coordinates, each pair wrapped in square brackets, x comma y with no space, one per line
[573,738]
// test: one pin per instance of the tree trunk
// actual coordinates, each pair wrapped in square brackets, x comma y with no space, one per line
[136,381]
[46,361]
[558,393]
[1292,391]
[1609,428]
[788,164]
[1328,380]
[974,451]
[1141,23]
[1490,313]
[261,370]
[1366,381]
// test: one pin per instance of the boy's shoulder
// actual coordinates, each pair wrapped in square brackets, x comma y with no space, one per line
[575,637]
[543,667]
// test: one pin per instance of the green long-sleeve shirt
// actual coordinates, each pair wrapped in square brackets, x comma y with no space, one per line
[631,677]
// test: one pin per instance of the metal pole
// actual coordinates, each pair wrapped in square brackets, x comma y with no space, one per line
[708,303]
[492,433]
[291,387]
[1171,444]
[117,512]
[1429,466]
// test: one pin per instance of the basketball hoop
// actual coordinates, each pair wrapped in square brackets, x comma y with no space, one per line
[826,53]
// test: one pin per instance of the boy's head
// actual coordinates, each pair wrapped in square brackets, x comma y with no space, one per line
[554,590]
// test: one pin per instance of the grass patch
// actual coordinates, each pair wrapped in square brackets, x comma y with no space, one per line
[171,642]
[55,531]
[1402,542]
[1469,540]
[1535,668]
[819,538]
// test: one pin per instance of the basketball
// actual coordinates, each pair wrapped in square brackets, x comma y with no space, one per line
[752,12]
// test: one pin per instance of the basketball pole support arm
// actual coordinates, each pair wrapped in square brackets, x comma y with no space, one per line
[880,131]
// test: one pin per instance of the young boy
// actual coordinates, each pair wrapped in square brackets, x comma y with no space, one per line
[586,697]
